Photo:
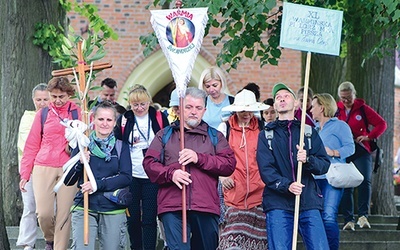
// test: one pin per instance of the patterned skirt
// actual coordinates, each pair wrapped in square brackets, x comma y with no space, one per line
[243,230]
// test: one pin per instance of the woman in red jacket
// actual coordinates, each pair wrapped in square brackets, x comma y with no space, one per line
[44,155]
[360,117]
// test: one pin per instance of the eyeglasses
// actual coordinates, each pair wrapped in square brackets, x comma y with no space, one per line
[346,98]
[137,105]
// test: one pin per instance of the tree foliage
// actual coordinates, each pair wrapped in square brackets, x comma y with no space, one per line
[62,45]
[251,28]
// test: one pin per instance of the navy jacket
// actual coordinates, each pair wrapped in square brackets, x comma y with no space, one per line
[110,176]
[278,167]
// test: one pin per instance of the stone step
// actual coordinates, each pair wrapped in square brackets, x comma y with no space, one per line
[375,219]
[364,245]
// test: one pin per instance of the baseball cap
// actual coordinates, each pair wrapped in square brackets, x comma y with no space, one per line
[279,86]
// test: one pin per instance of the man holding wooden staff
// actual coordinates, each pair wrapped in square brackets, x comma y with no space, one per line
[206,156]
[278,154]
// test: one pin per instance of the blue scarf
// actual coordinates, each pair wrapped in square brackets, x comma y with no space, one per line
[101,147]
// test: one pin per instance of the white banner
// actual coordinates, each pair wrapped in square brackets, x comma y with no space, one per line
[311,29]
[180,33]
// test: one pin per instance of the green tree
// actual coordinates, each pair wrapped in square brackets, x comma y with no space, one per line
[23,65]
[251,28]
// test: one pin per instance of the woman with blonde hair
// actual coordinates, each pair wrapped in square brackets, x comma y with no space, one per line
[338,141]
[213,81]
[138,127]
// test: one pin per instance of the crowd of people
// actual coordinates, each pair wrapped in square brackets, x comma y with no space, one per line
[236,160]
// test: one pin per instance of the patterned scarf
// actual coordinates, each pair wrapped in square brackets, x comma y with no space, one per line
[102,147]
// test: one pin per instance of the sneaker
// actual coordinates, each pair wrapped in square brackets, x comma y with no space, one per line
[349,226]
[49,245]
[27,247]
[363,222]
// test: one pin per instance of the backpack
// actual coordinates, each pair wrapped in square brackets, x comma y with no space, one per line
[45,112]
[269,134]
[212,132]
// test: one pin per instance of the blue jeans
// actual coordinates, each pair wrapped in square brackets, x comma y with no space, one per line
[142,223]
[280,229]
[202,230]
[364,165]
[332,197]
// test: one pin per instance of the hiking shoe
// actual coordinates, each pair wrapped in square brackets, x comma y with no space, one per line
[49,245]
[349,226]
[363,222]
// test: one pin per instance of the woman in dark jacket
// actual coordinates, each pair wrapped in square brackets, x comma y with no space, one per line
[111,166]
[137,127]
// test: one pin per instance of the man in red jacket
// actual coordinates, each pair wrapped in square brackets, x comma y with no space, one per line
[204,163]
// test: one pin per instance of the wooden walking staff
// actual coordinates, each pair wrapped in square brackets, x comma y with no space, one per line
[182,135]
[82,69]
[178,5]
[301,144]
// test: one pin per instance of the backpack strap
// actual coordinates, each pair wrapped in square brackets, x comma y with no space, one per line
[212,132]
[231,99]
[118,147]
[228,130]
[364,117]
[164,139]
[74,114]
[269,134]
[159,118]
[123,124]
[44,114]
[308,134]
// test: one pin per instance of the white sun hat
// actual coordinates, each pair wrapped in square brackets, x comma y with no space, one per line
[245,100]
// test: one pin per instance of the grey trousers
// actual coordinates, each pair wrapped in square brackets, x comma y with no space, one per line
[110,229]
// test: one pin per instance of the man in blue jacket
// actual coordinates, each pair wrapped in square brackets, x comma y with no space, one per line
[277,160]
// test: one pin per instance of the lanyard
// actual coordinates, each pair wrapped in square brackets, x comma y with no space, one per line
[59,117]
[148,130]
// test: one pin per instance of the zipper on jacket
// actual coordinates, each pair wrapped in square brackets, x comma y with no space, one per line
[290,150]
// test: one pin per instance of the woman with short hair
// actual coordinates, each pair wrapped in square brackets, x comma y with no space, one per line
[338,142]
[138,127]
[45,153]
[111,166]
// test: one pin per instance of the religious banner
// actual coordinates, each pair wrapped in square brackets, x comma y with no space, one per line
[180,33]
[311,29]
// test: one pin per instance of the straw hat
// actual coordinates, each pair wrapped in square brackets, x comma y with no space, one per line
[245,100]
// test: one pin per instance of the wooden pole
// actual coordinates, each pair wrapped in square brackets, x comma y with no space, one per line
[301,144]
[82,86]
[82,69]
[182,146]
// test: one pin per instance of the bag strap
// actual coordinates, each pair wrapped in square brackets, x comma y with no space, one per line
[45,111]
[118,147]
[123,124]
[364,116]
[159,118]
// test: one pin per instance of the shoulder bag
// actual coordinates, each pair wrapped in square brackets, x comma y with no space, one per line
[344,175]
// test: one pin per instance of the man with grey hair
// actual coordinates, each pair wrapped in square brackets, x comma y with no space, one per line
[204,162]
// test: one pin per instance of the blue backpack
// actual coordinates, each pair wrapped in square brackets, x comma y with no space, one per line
[212,132]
